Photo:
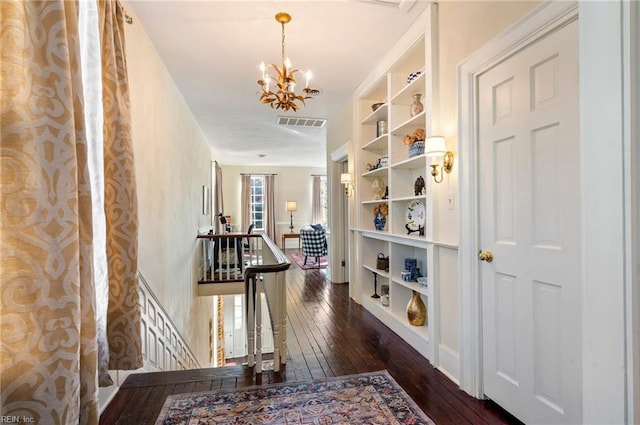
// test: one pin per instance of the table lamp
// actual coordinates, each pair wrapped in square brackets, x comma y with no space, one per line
[291,207]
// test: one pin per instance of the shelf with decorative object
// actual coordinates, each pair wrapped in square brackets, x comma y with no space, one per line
[380,171]
[380,114]
[378,145]
[406,94]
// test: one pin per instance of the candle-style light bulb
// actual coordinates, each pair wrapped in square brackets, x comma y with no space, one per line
[287,63]
[262,68]
[308,78]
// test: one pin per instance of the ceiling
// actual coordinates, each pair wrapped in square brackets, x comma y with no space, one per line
[213,50]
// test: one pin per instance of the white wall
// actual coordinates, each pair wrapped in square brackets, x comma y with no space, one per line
[463,28]
[173,162]
[339,133]
[291,184]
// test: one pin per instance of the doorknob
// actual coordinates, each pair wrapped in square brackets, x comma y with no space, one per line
[485,256]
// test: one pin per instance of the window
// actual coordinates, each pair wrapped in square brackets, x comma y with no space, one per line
[256,202]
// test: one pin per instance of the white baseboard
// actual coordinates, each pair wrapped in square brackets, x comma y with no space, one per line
[449,363]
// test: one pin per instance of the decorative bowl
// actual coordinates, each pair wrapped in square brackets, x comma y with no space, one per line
[376,106]
[422,281]
[413,76]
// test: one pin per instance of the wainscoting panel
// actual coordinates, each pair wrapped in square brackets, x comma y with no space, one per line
[163,348]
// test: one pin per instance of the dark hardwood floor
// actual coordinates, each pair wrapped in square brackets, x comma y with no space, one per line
[328,335]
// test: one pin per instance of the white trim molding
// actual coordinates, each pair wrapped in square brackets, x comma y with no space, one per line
[631,57]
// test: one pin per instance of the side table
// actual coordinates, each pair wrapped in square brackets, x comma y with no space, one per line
[290,235]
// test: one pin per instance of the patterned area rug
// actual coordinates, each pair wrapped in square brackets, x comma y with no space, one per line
[369,398]
[298,258]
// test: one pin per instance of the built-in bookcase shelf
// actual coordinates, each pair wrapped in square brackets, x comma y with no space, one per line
[398,171]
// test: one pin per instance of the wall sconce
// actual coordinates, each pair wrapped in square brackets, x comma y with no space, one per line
[347,181]
[436,146]
[291,207]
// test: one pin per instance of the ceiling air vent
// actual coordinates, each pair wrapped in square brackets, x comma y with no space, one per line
[302,122]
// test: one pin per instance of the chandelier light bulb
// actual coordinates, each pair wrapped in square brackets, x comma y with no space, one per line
[308,78]
[287,63]
[263,68]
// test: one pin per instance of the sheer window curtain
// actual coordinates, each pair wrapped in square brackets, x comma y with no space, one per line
[49,314]
[316,204]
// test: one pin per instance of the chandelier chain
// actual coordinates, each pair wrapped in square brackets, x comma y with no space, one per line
[282,43]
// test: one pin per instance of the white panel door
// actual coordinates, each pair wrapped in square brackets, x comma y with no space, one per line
[529,204]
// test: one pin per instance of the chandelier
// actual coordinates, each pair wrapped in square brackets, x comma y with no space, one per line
[279,93]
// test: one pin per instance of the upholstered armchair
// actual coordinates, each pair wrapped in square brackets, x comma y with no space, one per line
[314,243]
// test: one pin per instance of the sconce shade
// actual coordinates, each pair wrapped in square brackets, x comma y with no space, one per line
[345,178]
[435,146]
[292,206]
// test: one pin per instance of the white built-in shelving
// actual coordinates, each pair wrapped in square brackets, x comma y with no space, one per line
[414,52]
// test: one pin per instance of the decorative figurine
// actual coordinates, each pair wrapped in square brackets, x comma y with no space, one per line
[418,186]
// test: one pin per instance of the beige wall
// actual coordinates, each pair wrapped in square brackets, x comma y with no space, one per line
[339,133]
[464,27]
[292,184]
[173,162]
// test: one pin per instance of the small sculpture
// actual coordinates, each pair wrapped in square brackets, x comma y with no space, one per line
[378,188]
[418,186]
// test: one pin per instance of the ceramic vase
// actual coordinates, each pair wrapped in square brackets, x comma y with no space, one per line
[416,106]
[416,310]
[379,220]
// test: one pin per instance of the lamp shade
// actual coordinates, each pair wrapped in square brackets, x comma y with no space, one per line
[345,178]
[292,206]
[435,146]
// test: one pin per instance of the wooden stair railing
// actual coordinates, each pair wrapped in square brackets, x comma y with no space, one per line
[227,261]
[268,278]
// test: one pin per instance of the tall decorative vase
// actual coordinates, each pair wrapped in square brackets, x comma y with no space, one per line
[416,106]
[416,310]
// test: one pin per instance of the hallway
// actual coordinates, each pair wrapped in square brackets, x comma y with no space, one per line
[327,335]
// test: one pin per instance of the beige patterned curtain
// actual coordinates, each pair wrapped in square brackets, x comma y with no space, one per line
[48,350]
[121,204]
[48,314]
[270,206]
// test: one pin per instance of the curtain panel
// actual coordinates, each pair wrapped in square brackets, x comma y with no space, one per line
[50,343]
[219,198]
[245,200]
[316,202]
[269,206]
[48,354]
[121,203]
